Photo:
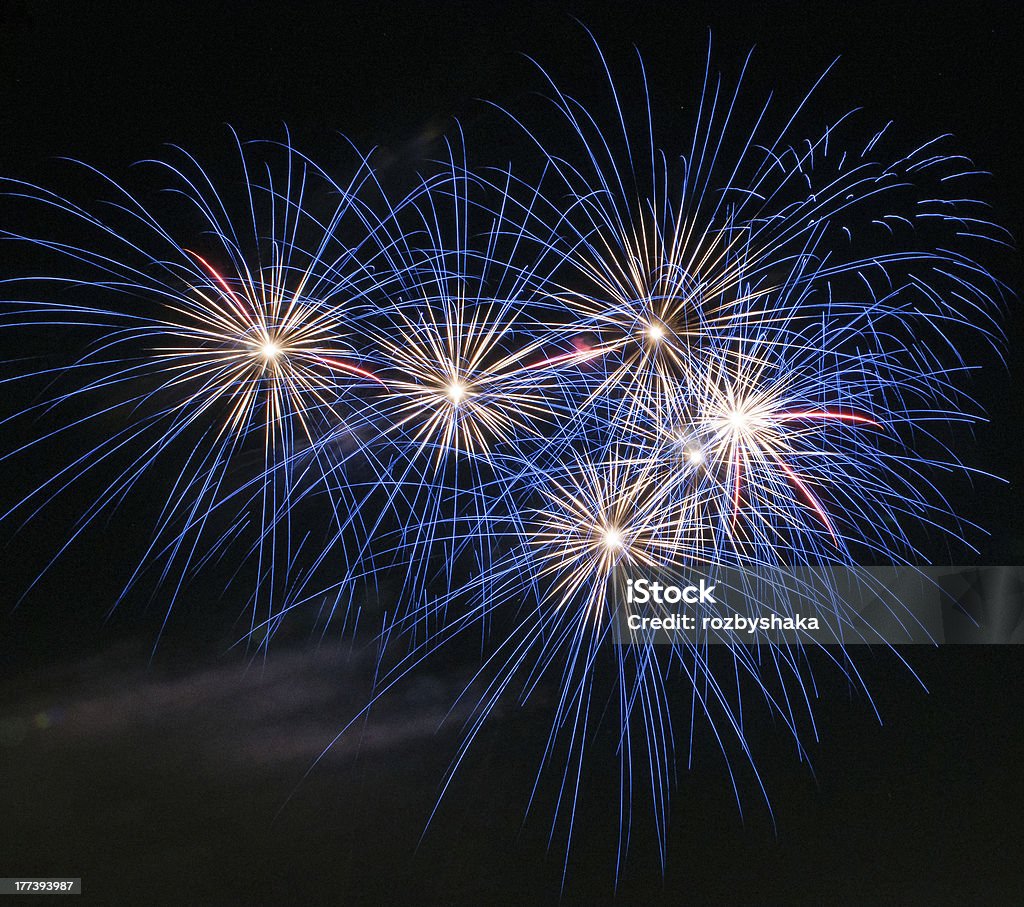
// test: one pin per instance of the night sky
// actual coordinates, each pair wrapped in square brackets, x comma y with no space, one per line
[176,779]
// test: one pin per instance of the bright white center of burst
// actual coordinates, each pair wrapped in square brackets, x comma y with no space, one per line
[655,333]
[612,538]
[456,392]
[270,351]
[738,420]
[694,455]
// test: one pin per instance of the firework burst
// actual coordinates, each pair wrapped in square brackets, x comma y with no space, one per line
[224,350]
[504,397]
[773,372]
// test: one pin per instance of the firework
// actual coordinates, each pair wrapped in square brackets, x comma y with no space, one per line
[501,397]
[224,347]
[479,377]
[772,376]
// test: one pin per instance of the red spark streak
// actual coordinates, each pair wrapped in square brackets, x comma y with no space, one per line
[736,464]
[221,282]
[808,496]
[577,356]
[824,414]
[351,369]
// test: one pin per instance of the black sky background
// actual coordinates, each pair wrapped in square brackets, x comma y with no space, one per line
[135,782]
